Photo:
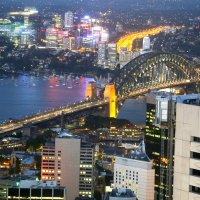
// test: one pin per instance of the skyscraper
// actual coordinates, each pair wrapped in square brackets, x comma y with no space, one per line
[70,162]
[69,19]
[112,55]
[187,151]
[125,55]
[153,145]
[69,43]
[58,21]
[51,38]
[146,43]
[159,138]
[102,53]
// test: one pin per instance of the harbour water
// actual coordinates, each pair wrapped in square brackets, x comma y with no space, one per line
[25,95]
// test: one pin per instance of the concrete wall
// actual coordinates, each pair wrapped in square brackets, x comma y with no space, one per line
[69,161]
[187,127]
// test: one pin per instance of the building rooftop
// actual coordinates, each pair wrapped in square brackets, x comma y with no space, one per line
[192,99]
[36,184]
[66,134]
[139,153]
[122,193]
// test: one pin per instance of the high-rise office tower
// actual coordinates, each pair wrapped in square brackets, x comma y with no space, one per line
[51,38]
[187,152]
[125,55]
[159,138]
[96,32]
[153,145]
[69,43]
[112,55]
[119,27]
[102,53]
[58,21]
[55,38]
[70,162]
[135,172]
[25,38]
[104,35]
[69,19]
[67,163]
[88,42]
[146,43]
[86,184]
[48,162]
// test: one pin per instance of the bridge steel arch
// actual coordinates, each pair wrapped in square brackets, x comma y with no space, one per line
[152,71]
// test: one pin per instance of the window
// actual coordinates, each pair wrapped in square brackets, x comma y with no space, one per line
[194,189]
[195,172]
[195,155]
[196,139]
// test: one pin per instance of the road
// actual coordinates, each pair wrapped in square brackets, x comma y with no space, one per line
[51,114]
[127,40]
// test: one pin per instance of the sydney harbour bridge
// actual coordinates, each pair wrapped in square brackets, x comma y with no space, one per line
[151,71]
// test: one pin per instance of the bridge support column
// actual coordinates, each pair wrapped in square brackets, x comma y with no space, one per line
[110,95]
[91,90]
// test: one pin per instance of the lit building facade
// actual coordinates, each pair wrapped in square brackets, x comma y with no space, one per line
[69,19]
[69,43]
[70,162]
[48,162]
[153,147]
[159,139]
[96,32]
[86,180]
[67,164]
[135,172]
[104,35]
[102,49]
[55,37]
[58,21]
[51,38]
[146,43]
[120,134]
[112,55]
[125,56]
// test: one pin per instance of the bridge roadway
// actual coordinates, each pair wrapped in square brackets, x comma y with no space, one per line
[85,106]
[51,115]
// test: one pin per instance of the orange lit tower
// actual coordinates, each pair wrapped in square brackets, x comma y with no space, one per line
[110,95]
[91,90]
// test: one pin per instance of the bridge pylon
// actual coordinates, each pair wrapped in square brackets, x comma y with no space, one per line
[110,95]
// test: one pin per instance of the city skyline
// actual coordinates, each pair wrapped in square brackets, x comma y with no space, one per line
[99,100]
